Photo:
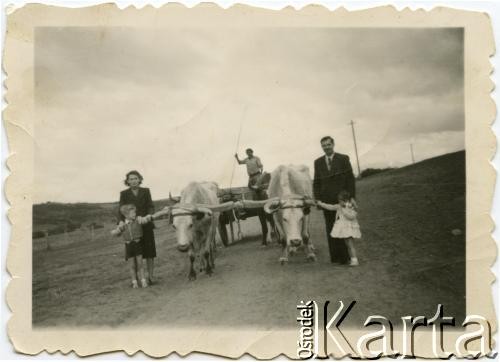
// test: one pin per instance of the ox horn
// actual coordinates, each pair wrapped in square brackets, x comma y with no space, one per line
[191,208]
[164,211]
[309,202]
[210,207]
[204,210]
[253,204]
[183,207]
[221,207]
[272,205]
[173,199]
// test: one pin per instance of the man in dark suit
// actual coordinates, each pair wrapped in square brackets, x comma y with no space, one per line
[332,174]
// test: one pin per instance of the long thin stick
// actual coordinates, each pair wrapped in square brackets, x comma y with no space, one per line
[238,145]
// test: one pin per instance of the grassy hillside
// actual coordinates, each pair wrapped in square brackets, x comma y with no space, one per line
[413,219]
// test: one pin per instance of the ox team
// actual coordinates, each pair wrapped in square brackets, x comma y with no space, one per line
[291,194]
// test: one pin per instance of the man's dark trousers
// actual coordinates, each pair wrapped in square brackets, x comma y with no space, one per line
[336,246]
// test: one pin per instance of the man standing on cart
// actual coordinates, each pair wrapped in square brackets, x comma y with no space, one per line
[254,168]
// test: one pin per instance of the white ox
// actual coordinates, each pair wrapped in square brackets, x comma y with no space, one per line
[195,220]
[290,199]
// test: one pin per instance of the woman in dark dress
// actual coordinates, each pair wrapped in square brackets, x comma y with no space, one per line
[141,198]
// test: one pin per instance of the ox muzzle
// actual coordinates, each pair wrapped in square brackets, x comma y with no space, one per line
[183,247]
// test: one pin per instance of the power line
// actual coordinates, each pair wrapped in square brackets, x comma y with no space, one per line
[355,147]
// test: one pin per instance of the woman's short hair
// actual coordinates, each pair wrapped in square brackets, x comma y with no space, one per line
[344,195]
[130,173]
[125,209]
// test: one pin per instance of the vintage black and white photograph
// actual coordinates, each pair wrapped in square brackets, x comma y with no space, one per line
[224,175]
[219,178]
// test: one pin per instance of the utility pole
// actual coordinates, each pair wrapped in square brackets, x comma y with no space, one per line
[355,147]
[412,155]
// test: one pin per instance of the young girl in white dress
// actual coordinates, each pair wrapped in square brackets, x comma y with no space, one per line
[346,224]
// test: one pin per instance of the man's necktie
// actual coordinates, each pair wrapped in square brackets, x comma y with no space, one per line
[329,163]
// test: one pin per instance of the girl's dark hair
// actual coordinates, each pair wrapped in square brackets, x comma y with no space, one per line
[133,172]
[344,196]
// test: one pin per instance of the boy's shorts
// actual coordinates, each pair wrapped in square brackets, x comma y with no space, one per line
[133,249]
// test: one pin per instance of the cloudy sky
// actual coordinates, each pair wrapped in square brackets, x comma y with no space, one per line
[170,102]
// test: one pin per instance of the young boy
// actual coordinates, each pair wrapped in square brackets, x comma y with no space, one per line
[131,231]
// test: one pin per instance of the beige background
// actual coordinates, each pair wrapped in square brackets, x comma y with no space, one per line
[18,64]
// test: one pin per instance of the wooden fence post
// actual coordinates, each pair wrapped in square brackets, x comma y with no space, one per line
[47,241]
